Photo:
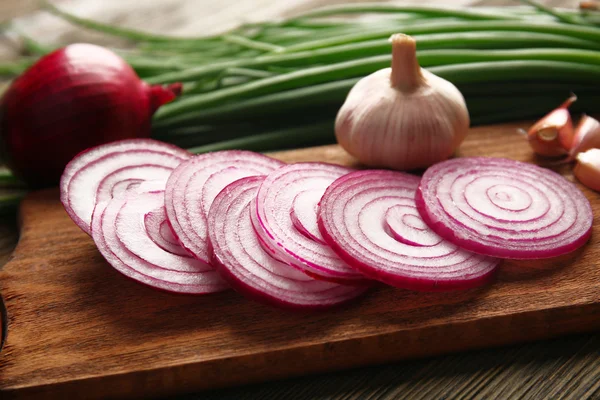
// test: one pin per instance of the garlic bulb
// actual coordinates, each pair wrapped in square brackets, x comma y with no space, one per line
[402,117]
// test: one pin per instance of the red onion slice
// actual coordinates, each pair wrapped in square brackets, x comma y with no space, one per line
[83,175]
[250,269]
[120,234]
[504,208]
[288,232]
[370,219]
[195,183]
[407,227]
[118,189]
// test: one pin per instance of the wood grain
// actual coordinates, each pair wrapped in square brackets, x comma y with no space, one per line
[77,325]
[564,368]
[3,323]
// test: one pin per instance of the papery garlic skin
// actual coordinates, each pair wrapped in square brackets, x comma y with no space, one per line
[402,117]
[552,135]
[587,169]
[545,139]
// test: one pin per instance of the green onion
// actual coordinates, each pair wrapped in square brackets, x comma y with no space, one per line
[247,72]
[276,83]
[457,73]
[33,47]
[558,15]
[333,94]
[9,200]
[385,8]
[464,40]
[483,72]
[7,179]
[131,34]
[303,136]
[282,102]
[487,105]
[516,90]
[428,58]
[14,68]
[581,32]
[251,44]
[529,109]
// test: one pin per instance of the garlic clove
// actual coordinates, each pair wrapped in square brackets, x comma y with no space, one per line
[552,135]
[403,117]
[587,135]
[589,5]
[587,169]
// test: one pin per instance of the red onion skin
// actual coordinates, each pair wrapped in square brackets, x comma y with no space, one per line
[72,99]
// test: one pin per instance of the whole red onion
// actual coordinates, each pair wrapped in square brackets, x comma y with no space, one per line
[72,99]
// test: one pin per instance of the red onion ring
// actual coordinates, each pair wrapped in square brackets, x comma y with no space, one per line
[250,269]
[287,232]
[159,232]
[504,208]
[127,178]
[303,218]
[85,173]
[195,183]
[121,236]
[370,219]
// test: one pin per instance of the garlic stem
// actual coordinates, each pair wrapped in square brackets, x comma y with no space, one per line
[406,72]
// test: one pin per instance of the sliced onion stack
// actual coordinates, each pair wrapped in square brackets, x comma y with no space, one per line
[193,186]
[313,235]
[124,228]
[370,219]
[114,167]
[250,269]
[504,208]
[284,215]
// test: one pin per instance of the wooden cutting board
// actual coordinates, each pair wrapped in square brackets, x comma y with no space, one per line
[76,325]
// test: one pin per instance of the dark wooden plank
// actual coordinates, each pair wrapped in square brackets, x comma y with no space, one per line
[565,368]
[77,325]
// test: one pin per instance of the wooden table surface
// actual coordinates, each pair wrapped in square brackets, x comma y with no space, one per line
[568,367]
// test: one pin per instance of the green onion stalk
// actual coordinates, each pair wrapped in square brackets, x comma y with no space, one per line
[274,85]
